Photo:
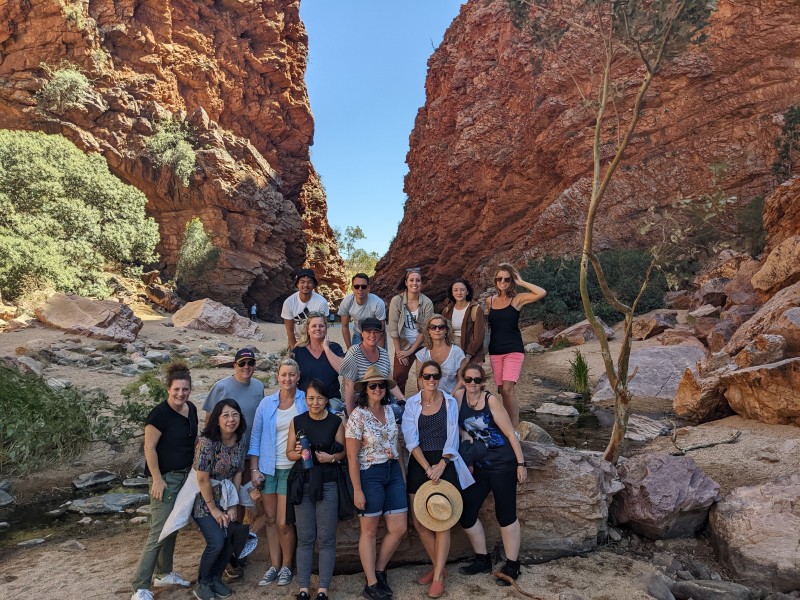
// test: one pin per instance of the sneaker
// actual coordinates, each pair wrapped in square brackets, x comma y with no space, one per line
[511,569]
[285,576]
[373,592]
[203,591]
[270,576]
[142,594]
[482,563]
[220,589]
[171,579]
[383,583]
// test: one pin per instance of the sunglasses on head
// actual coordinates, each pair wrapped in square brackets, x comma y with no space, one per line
[246,363]
[473,379]
[379,385]
[360,286]
[503,279]
[413,270]
[434,327]
[429,376]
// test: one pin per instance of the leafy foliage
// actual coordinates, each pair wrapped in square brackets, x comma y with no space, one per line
[750,226]
[197,255]
[170,147]
[356,260]
[141,396]
[788,143]
[64,217]
[66,87]
[562,307]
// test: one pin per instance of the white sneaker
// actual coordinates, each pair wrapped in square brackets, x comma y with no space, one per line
[171,579]
[142,594]
[284,576]
[270,576]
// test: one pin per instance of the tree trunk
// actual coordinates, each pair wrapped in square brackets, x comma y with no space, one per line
[622,410]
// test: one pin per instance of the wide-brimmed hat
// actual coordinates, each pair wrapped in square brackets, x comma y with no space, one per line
[438,506]
[305,273]
[373,374]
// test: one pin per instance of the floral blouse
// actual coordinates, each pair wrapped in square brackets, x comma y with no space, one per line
[378,441]
[220,462]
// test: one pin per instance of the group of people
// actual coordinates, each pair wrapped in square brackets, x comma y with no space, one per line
[318,449]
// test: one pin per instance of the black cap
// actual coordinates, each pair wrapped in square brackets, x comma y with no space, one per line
[305,273]
[244,353]
[371,324]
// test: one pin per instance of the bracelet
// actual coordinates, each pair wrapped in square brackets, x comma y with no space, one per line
[254,471]
[522,464]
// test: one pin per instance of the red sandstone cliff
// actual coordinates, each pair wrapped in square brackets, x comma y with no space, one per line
[500,155]
[236,67]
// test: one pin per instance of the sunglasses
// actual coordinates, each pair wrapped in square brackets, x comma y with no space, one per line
[377,386]
[413,270]
[437,327]
[502,279]
[246,363]
[429,376]
[473,379]
[359,286]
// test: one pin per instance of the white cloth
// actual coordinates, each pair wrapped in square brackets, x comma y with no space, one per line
[458,321]
[372,307]
[298,311]
[184,502]
[284,419]
[410,329]
[449,366]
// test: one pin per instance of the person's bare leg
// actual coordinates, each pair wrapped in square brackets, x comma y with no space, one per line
[477,537]
[366,547]
[426,536]
[270,502]
[510,401]
[286,534]
[396,527]
[511,540]
[442,549]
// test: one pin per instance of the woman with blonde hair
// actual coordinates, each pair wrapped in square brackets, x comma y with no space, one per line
[439,347]
[319,358]
[506,350]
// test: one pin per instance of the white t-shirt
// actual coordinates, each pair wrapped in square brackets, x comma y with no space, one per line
[372,307]
[409,330]
[283,420]
[298,311]
[449,366]
[458,320]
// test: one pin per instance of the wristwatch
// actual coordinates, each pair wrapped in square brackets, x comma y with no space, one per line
[446,460]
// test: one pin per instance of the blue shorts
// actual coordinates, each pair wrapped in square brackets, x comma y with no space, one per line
[384,489]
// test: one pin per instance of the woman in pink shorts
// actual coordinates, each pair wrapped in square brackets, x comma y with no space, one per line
[506,350]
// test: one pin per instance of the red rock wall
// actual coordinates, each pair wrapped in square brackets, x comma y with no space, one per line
[500,155]
[237,68]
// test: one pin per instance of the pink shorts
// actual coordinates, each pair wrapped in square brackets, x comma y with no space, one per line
[506,367]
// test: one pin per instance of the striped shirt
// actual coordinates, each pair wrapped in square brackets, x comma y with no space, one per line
[355,364]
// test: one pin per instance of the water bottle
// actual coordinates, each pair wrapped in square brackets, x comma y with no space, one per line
[305,450]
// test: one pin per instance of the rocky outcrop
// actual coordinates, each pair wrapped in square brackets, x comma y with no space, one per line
[782,212]
[766,393]
[101,319]
[700,400]
[234,72]
[580,333]
[779,316]
[653,323]
[781,268]
[504,137]
[207,315]
[755,531]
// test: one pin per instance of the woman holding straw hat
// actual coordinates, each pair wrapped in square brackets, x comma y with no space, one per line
[430,430]
[378,486]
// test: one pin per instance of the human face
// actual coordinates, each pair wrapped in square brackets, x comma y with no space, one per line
[244,369]
[414,282]
[360,289]
[316,403]
[471,374]
[437,329]
[229,420]
[370,338]
[288,377]
[503,281]
[433,377]
[374,392]
[459,291]
[178,392]
[317,328]
[305,285]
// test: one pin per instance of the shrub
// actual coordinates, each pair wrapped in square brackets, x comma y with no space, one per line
[64,217]
[141,396]
[66,87]
[197,255]
[169,147]
[788,144]
[562,306]
[751,230]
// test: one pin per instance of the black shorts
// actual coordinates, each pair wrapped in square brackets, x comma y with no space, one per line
[416,474]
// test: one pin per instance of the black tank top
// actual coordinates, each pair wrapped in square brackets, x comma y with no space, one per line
[480,425]
[504,333]
[321,435]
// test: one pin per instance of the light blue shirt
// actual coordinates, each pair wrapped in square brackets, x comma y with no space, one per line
[411,433]
[263,437]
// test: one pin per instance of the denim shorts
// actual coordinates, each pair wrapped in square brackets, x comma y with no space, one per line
[384,489]
[275,483]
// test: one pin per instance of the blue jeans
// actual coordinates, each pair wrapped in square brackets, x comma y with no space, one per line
[217,552]
[316,522]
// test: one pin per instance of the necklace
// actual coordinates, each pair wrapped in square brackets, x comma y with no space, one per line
[429,402]
[472,405]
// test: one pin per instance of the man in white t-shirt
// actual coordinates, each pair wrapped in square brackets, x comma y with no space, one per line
[298,306]
[358,306]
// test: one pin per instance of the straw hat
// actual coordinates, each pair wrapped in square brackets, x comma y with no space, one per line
[438,506]
[373,374]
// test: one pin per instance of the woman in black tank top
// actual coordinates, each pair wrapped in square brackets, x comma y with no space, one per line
[506,350]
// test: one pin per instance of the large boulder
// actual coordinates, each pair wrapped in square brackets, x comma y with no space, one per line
[655,322]
[580,333]
[755,531]
[726,265]
[679,300]
[658,371]
[739,288]
[740,313]
[680,335]
[101,319]
[763,350]
[208,315]
[781,268]
[700,400]
[712,292]
[720,334]
[163,296]
[766,393]
[663,496]
[780,315]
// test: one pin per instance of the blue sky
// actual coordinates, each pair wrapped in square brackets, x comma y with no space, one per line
[366,80]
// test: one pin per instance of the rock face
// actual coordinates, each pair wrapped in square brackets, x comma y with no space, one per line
[101,319]
[700,400]
[582,332]
[235,70]
[207,315]
[779,316]
[664,496]
[782,212]
[755,530]
[766,393]
[781,269]
[504,138]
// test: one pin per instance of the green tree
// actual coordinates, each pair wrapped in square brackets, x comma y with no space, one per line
[197,256]
[170,147]
[67,86]
[356,260]
[64,217]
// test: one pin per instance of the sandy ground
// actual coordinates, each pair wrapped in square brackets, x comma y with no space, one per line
[104,568]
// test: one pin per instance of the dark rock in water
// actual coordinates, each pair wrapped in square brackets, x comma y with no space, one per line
[5,486]
[136,482]
[712,590]
[4,526]
[94,478]
[6,499]
[108,503]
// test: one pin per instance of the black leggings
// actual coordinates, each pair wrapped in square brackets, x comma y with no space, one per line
[504,487]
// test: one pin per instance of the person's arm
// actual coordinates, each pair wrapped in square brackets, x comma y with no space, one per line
[352,445]
[237,483]
[151,437]
[478,334]
[290,339]
[349,395]
[503,422]
[293,451]
[334,359]
[255,447]
[534,293]
[325,457]
[204,483]
[346,332]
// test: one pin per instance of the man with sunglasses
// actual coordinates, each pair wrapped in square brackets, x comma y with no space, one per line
[358,306]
